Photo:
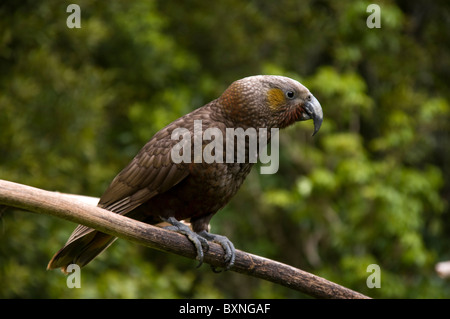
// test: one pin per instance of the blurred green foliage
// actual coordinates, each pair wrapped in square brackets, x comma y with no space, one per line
[371,188]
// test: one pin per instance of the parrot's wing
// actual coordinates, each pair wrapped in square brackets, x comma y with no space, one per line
[150,173]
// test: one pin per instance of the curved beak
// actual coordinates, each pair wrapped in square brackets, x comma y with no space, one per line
[313,111]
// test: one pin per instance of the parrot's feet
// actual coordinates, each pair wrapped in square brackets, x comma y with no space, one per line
[227,245]
[200,241]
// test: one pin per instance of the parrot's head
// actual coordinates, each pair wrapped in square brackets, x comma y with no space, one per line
[271,101]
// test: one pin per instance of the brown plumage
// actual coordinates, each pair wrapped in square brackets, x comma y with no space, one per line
[152,188]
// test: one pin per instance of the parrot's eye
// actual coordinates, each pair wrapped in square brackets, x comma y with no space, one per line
[290,94]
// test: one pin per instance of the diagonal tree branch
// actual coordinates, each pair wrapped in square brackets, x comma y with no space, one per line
[70,208]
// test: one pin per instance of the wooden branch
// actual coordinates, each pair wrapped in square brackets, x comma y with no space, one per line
[62,206]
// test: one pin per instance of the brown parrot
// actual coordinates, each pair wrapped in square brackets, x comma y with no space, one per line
[154,188]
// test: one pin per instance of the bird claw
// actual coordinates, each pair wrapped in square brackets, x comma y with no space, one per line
[227,245]
[200,241]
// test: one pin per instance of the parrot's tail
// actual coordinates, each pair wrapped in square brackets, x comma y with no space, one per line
[83,245]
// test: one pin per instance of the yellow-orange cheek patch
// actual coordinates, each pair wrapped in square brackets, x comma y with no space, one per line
[276,98]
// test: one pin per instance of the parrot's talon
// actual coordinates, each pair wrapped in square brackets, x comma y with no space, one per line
[200,243]
[227,245]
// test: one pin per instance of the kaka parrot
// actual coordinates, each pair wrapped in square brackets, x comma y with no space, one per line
[154,189]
